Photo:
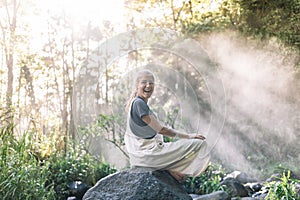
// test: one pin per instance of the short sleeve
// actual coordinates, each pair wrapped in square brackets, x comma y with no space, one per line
[141,108]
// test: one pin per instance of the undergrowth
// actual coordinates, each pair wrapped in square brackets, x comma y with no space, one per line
[28,173]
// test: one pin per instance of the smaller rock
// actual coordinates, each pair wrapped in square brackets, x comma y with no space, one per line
[274,177]
[71,198]
[257,187]
[241,177]
[261,194]
[253,187]
[237,189]
[77,189]
[219,195]
[298,189]
[244,178]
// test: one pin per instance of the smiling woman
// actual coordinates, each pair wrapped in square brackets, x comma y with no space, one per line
[144,137]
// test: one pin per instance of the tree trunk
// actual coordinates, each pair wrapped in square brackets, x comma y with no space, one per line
[10,80]
[9,46]
[65,96]
[28,78]
[72,124]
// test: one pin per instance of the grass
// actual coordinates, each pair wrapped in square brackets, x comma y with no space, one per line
[284,188]
[28,173]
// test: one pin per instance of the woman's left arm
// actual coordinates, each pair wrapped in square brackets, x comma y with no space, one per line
[174,133]
[155,125]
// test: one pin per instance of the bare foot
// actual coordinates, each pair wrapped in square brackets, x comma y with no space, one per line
[178,176]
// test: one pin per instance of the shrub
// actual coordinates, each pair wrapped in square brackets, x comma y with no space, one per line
[207,182]
[75,166]
[22,176]
[25,174]
[284,188]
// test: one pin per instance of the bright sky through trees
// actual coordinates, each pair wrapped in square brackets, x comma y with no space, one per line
[77,12]
[86,10]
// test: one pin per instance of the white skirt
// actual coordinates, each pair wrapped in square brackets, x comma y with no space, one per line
[187,156]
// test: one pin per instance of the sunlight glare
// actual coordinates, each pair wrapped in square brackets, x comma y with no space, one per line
[88,10]
[79,13]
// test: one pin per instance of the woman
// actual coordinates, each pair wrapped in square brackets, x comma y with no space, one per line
[144,138]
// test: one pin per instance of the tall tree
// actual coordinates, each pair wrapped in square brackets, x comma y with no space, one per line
[168,14]
[57,61]
[279,18]
[8,27]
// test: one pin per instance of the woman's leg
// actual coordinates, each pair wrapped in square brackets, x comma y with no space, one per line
[178,176]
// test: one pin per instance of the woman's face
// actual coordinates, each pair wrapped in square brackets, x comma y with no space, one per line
[145,87]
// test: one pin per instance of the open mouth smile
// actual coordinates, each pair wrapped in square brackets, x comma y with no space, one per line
[147,90]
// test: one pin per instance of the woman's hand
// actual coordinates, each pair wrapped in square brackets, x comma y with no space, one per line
[196,136]
[173,133]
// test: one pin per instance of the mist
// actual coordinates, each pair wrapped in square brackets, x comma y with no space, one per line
[241,93]
[262,102]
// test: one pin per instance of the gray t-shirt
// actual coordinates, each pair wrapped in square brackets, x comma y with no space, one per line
[139,108]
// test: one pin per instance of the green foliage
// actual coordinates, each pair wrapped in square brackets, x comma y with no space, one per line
[109,127]
[26,175]
[112,127]
[207,22]
[278,18]
[284,188]
[22,176]
[75,166]
[207,182]
[260,19]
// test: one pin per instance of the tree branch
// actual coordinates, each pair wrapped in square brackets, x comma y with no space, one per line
[118,146]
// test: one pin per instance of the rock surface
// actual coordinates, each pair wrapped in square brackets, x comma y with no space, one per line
[219,195]
[138,185]
[237,189]
[144,184]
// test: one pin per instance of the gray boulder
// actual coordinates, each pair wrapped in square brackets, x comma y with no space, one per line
[137,184]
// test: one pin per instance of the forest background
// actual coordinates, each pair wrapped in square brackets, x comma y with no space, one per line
[44,44]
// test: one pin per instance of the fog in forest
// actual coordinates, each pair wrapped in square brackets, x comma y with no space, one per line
[262,102]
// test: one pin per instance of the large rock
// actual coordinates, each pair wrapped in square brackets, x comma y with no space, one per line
[137,184]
